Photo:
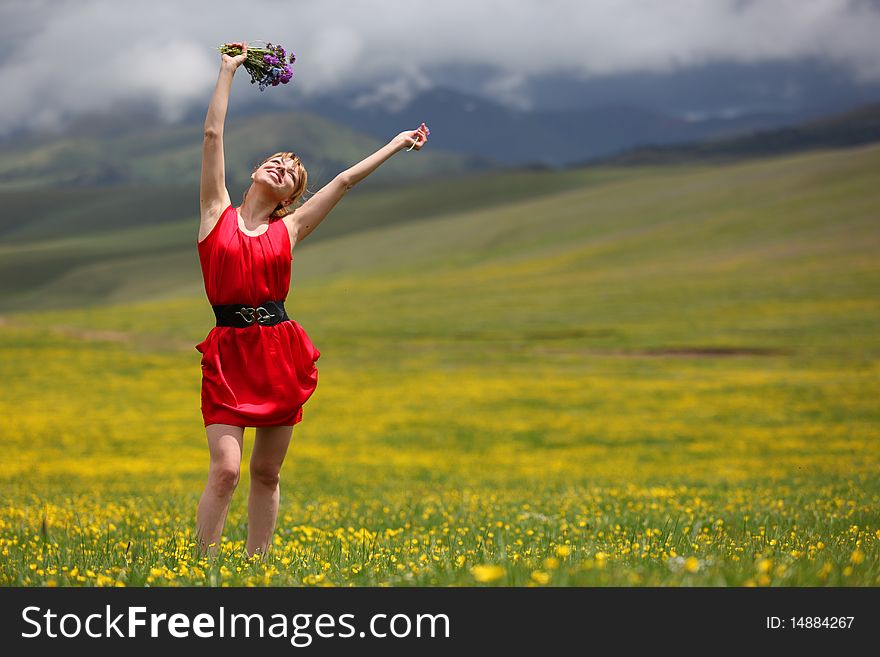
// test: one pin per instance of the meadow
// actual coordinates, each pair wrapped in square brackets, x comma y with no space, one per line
[654,376]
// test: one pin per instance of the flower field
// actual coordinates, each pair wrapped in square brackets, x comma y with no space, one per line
[656,389]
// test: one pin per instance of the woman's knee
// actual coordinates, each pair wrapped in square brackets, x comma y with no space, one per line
[224,478]
[268,474]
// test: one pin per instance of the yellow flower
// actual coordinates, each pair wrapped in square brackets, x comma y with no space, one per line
[692,564]
[487,573]
[563,551]
[857,556]
[540,576]
[103,580]
[313,579]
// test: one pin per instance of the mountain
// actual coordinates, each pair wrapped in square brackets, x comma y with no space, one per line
[117,149]
[855,127]
[126,147]
[723,88]
[474,125]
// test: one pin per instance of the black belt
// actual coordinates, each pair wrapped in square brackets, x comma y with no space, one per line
[241,315]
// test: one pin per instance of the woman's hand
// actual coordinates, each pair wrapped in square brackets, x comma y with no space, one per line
[414,139]
[236,61]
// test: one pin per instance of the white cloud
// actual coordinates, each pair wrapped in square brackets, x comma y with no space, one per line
[508,88]
[84,55]
[393,94]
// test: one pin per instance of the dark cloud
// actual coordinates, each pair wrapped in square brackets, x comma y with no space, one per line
[63,58]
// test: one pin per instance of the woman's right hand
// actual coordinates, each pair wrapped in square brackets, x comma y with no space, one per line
[234,62]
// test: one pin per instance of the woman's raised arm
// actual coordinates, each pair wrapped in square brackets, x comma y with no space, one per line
[311,213]
[213,196]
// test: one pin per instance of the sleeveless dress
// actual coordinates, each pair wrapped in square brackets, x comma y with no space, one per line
[258,376]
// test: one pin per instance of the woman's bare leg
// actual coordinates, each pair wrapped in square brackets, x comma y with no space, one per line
[270,448]
[225,444]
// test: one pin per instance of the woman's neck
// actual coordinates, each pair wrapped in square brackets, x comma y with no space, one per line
[255,211]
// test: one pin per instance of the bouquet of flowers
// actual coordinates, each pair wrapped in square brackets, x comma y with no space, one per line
[268,65]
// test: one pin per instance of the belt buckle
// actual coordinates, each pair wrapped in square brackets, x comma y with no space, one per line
[263,315]
[247,314]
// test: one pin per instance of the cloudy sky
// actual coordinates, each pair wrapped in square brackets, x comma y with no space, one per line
[63,57]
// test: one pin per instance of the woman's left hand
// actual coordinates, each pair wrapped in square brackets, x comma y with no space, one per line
[412,139]
[234,61]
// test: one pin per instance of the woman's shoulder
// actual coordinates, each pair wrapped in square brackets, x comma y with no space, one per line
[213,211]
[211,216]
[290,227]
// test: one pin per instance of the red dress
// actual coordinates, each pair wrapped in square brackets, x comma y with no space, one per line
[259,376]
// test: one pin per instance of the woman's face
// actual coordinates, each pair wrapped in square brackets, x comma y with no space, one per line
[278,174]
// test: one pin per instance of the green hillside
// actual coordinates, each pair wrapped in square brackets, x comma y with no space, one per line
[847,129]
[171,155]
[677,248]
[78,247]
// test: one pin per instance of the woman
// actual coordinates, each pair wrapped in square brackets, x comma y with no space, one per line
[258,365]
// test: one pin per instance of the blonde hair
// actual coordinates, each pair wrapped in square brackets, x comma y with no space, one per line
[302,180]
